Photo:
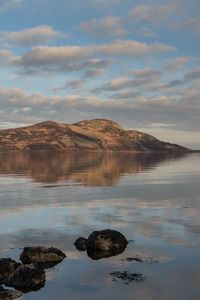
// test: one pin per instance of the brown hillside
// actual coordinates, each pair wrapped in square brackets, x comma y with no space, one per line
[94,135]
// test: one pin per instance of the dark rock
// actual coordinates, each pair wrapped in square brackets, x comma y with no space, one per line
[105,243]
[126,276]
[7,266]
[140,259]
[41,254]
[107,240]
[27,278]
[81,244]
[9,294]
[135,259]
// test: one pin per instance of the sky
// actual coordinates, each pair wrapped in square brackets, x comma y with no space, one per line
[132,61]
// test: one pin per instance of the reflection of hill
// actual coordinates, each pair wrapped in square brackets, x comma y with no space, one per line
[92,169]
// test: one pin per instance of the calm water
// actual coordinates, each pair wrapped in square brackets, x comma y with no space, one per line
[51,199]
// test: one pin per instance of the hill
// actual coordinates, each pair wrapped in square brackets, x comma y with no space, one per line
[93,135]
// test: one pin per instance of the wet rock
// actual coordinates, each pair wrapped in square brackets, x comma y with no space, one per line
[41,254]
[27,278]
[7,266]
[140,259]
[126,276]
[107,240]
[9,294]
[81,244]
[134,259]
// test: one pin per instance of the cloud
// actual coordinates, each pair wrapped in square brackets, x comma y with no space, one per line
[146,32]
[29,37]
[192,75]
[178,63]
[143,13]
[146,72]
[93,73]
[182,109]
[187,24]
[48,56]
[109,26]
[9,4]
[45,59]
[124,82]
[104,2]
[5,56]
[133,48]
[74,84]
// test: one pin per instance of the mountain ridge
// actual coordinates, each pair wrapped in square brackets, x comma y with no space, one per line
[88,135]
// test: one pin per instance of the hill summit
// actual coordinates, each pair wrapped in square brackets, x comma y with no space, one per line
[88,135]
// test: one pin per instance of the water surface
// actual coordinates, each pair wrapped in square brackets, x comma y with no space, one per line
[154,199]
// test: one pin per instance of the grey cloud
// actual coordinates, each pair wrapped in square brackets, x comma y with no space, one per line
[142,13]
[110,26]
[145,73]
[192,75]
[182,109]
[93,73]
[74,84]
[178,63]
[29,37]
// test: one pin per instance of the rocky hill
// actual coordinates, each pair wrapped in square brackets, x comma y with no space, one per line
[94,135]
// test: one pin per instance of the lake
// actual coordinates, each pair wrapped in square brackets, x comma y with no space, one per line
[51,199]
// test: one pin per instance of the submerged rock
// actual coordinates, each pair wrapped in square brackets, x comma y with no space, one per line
[7,266]
[27,278]
[41,254]
[9,294]
[81,244]
[126,276]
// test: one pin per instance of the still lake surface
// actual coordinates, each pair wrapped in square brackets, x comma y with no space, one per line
[154,199]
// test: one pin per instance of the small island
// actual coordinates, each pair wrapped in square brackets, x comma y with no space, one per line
[88,135]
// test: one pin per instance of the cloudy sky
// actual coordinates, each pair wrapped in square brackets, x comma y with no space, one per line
[136,62]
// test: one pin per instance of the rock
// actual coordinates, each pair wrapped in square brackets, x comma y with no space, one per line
[126,276]
[105,243]
[107,240]
[27,278]
[41,254]
[9,294]
[7,266]
[81,244]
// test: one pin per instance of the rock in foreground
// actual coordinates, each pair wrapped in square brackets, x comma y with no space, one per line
[107,240]
[7,266]
[9,294]
[27,278]
[102,244]
[41,254]
[81,244]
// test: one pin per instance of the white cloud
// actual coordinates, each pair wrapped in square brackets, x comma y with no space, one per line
[142,13]
[110,26]
[45,59]
[44,55]
[133,48]
[29,37]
